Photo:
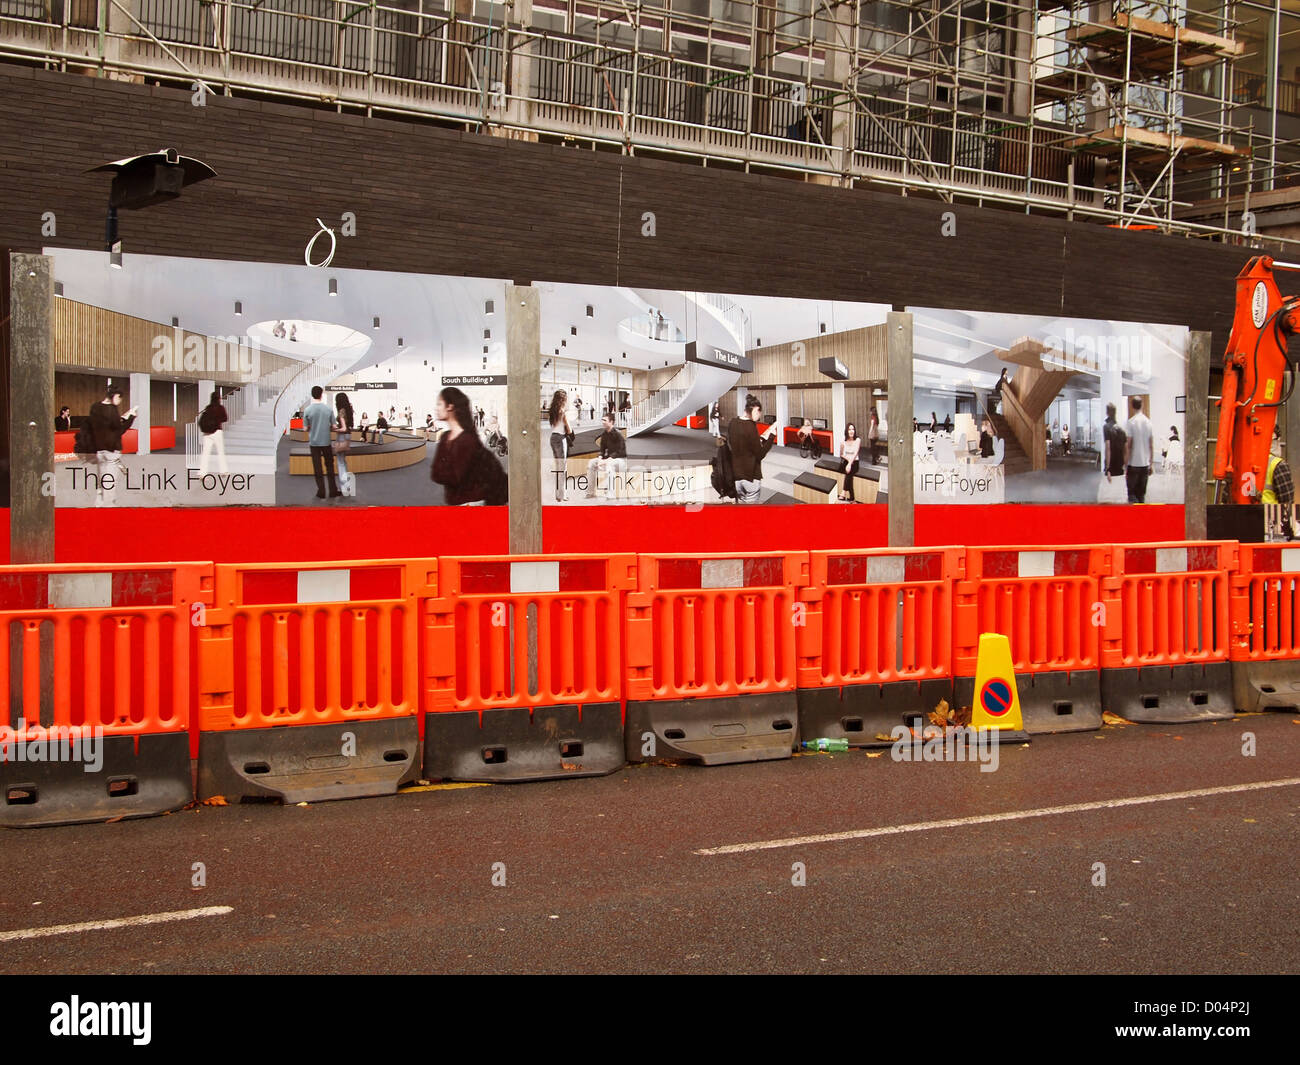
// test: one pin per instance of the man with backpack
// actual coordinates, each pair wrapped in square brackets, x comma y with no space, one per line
[748,447]
[211,420]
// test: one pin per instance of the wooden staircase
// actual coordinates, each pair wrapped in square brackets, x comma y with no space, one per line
[1025,400]
[1014,459]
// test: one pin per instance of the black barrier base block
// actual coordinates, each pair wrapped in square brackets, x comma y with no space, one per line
[722,731]
[310,763]
[548,743]
[1266,686]
[860,713]
[1169,694]
[128,783]
[1064,701]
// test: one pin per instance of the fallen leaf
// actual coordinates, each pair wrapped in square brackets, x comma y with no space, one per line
[302,804]
[875,754]
[215,800]
[1107,718]
[882,738]
[962,716]
[941,714]
[569,765]
[1250,820]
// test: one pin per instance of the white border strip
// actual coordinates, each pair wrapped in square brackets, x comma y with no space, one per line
[987,819]
[117,922]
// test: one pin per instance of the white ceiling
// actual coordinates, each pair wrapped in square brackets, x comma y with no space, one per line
[432,316]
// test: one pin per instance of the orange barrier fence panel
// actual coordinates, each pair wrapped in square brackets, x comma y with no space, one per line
[877,616]
[1265,591]
[492,613]
[98,660]
[701,633]
[874,641]
[1167,604]
[522,666]
[1167,631]
[97,647]
[1045,601]
[310,679]
[719,625]
[1265,642]
[312,644]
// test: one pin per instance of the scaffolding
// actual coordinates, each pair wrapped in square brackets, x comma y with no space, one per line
[1121,113]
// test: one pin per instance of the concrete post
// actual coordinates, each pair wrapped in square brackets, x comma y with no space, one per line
[142,400]
[901,525]
[839,415]
[782,411]
[31,409]
[1195,418]
[523,311]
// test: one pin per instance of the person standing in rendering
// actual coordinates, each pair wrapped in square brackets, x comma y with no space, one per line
[849,452]
[457,457]
[211,424]
[995,397]
[613,455]
[1137,453]
[715,420]
[748,447]
[1115,441]
[873,436]
[63,420]
[343,443]
[561,440]
[106,429]
[319,420]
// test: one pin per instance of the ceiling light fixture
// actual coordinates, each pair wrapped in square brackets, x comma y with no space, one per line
[239,309]
[591,311]
[334,286]
[488,307]
[376,321]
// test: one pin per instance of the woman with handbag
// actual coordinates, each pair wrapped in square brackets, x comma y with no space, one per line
[343,444]
[562,437]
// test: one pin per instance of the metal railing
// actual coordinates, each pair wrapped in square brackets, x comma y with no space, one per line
[662,401]
[912,109]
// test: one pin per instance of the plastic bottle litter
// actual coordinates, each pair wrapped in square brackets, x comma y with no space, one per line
[824,744]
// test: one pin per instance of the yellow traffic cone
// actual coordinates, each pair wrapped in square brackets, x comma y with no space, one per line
[997,703]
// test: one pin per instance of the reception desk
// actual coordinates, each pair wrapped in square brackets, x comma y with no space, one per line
[161,438]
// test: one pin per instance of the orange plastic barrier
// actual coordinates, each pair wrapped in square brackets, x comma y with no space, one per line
[874,642]
[1165,632]
[328,648]
[700,632]
[1265,645]
[522,667]
[1046,602]
[97,662]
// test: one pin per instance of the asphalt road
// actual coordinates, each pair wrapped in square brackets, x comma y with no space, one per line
[606,876]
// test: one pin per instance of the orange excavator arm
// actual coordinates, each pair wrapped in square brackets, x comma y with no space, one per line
[1253,370]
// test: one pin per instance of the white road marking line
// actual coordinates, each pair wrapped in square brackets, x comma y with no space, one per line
[985,819]
[117,922]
